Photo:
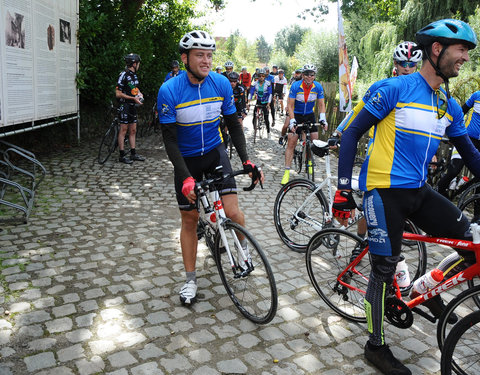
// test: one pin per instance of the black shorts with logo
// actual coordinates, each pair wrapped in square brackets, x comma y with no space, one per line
[300,119]
[198,167]
[128,113]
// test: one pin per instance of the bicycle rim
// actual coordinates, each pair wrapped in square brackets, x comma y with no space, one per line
[254,293]
[107,146]
[299,213]
[328,254]
[468,190]
[462,305]
[461,352]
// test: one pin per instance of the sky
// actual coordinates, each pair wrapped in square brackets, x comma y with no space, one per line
[268,17]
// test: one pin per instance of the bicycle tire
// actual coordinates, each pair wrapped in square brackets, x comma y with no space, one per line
[297,158]
[295,227]
[309,163]
[254,294]
[415,253]
[467,191]
[463,304]
[471,208]
[461,352]
[329,252]
[108,144]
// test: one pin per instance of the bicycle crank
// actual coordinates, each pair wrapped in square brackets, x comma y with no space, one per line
[398,313]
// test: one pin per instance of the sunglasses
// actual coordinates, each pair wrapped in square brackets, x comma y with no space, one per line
[407,64]
[262,75]
[309,74]
[442,104]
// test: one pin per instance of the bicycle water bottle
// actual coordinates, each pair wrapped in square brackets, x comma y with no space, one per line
[462,181]
[426,282]
[211,217]
[402,275]
[453,184]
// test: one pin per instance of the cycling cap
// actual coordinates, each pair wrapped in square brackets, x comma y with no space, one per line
[131,58]
[218,68]
[406,51]
[262,71]
[196,39]
[175,64]
[309,67]
[229,64]
[447,31]
[233,76]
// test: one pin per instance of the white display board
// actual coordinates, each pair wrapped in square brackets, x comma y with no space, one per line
[38,60]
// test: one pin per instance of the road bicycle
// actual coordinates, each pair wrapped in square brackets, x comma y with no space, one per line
[302,155]
[258,121]
[303,207]
[243,267]
[278,107]
[110,139]
[341,278]
[461,349]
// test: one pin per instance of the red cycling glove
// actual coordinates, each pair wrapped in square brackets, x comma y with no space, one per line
[188,185]
[343,204]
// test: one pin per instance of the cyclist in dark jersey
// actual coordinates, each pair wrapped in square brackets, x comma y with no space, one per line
[129,95]
[239,95]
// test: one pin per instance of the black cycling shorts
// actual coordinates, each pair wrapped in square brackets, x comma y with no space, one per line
[386,210]
[300,119]
[128,113]
[279,93]
[198,166]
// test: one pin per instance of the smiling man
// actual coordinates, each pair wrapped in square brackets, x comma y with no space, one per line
[189,109]
[410,114]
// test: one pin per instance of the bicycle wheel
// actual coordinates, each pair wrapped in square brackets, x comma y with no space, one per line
[255,128]
[468,190]
[299,212]
[309,163]
[261,125]
[108,144]
[297,158]
[415,253]
[252,291]
[462,305]
[471,208]
[329,252]
[461,352]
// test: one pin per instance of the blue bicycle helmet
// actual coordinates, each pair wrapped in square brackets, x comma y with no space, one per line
[447,31]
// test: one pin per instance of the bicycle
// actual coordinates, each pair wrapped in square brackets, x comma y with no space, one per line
[278,107]
[258,121]
[302,155]
[110,139]
[341,278]
[460,350]
[245,272]
[302,208]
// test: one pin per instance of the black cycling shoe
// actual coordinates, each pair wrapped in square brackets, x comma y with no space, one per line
[124,159]
[137,157]
[382,358]
[436,307]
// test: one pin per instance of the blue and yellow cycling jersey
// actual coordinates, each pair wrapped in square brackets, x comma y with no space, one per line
[305,97]
[408,133]
[196,110]
[473,120]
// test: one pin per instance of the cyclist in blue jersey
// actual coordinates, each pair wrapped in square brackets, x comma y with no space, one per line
[130,96]
[262,91]
[175,66]
[473,129]
[189,109]
[410,115]
[271,78]
[303,96]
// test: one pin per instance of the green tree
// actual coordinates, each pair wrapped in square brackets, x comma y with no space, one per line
[263,50]
[288,38]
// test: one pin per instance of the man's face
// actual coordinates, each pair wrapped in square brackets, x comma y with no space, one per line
[308,77]
[280,75]
[405,68]
[453,59]
[233,84]
[261,77]
[199,61]
[229,69]
[175,69]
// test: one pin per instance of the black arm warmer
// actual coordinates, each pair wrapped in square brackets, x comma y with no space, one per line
[169,133]
[238,138]
[468,152]
[465,108]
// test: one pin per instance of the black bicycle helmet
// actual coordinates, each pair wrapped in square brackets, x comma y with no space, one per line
[131,58]
[175,64]
[233,76]
[447,31]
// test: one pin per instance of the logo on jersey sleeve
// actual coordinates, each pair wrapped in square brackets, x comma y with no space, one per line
[377,101]
[165,109]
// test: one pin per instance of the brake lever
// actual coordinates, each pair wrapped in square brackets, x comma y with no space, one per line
[256,175]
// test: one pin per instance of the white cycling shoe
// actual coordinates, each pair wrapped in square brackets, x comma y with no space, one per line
[188,293]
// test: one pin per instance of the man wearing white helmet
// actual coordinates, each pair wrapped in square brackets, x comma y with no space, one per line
[189,109]
[405,58]
[228,68]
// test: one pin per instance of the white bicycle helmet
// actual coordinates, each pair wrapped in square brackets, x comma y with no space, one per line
[229,64]
[262,71]
[196,39]
[406,51]
[309,67]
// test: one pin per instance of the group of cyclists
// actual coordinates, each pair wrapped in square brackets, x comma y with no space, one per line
[407,116]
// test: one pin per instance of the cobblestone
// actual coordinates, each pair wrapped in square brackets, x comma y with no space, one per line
[91,284]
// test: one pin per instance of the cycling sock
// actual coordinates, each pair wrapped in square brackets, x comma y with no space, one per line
[375,309]
[191,276]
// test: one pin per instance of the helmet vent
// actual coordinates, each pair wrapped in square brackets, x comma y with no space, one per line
[452,27]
